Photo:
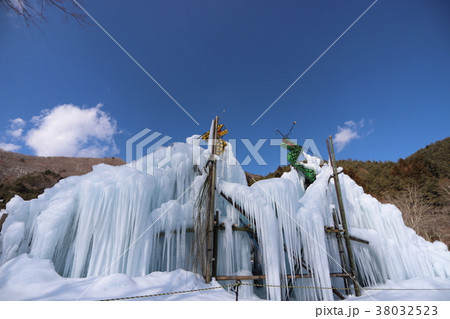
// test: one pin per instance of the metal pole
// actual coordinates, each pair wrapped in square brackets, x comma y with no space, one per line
[298,276]
[238,283]
[212,205]
[341,250]
[216,244]
[343,217]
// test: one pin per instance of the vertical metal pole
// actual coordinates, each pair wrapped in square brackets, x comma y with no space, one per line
[343,217]
[216,244]
[341,251]
[212,205]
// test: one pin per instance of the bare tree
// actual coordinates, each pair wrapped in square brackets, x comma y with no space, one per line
[413,205]
[432,233]
[32,11]
[446,192]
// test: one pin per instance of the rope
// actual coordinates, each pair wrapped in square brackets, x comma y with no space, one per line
[167,293]
[239,283]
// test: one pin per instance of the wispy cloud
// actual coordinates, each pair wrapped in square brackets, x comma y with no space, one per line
[16,127]
[9,147]
[65,130]
[351,130]
[13,134]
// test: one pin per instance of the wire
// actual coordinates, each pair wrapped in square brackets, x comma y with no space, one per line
[277,131]
[315,61]
[239,283]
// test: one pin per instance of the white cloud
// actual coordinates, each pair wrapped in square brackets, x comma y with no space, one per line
[68,130]
[352,130]
[344,136]
[16,133]
[9,147]
[18,122]
[350,123]
[16,127]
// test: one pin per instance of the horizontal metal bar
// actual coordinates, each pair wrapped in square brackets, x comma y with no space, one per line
[255,277]
[359,240]
[221,227]
[332,230]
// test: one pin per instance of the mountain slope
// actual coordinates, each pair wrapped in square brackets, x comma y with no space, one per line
[28,176]
[428,170]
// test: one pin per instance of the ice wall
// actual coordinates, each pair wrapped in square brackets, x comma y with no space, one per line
[132,219]
[97,223]
[137,219]
[286,219]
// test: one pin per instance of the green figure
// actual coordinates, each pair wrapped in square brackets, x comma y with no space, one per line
[292,157]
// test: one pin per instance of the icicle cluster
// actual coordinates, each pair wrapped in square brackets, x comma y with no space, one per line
[137,219]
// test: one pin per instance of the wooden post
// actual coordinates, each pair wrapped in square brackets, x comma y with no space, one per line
[212,204]
[351,258]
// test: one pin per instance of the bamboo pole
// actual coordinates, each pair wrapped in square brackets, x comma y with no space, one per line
[212,205]
[343,217]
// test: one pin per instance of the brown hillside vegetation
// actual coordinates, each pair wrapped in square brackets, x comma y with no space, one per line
[28,176]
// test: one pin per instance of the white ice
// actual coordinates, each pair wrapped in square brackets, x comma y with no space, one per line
[132,224]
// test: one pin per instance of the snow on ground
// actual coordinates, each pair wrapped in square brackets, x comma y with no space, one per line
[408,295]
[25,278]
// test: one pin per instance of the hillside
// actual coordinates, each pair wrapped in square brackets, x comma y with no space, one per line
[418,185]
[28,176]
[428,169]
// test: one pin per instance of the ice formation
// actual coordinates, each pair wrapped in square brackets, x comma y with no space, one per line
[137,219]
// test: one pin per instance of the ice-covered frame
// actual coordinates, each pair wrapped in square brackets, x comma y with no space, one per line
[117,219]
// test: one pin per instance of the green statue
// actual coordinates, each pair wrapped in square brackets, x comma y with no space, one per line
[292,157]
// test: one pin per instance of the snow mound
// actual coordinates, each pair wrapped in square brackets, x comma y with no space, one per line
[26,278]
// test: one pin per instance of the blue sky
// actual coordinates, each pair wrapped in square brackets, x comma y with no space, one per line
[384,87]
